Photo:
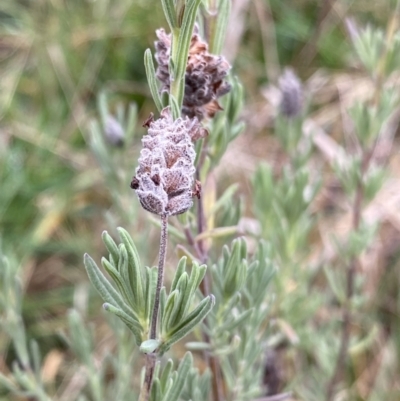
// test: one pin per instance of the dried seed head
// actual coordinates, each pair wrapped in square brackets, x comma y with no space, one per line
[164,177]
[291,103]
[204,80]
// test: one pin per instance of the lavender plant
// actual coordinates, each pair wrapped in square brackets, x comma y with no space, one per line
[287,221]
[193,80]
[217,323]
[362,174]
[26,378]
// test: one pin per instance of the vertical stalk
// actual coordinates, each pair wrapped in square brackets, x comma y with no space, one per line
[177,81]
[160,277]
[350,280]
[205,289]
[151,357]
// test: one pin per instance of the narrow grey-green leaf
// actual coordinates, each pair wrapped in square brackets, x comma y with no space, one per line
[163,301]
[170,13]
[218,36]
[236,98]
[225,198]
[36,359]
[102,105]
[157,369]
[103,286]
[151,282]
[165,374]
[155,390]
[169,385]
[111,247]
[133,324]
[231,267]
[183,371]
[118,280]
[124,269]
[190,288]
[198,346]
[152,79]
[237,321]
[182,283]
[135,273]
[170,305]
[175,316]
[185,36]
[202,273]
[189,323]
[175,106]
[178,272]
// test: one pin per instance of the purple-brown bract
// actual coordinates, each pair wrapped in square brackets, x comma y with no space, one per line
[204,78]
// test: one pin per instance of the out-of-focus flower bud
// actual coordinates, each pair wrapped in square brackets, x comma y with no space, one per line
[292,98]
[114,132]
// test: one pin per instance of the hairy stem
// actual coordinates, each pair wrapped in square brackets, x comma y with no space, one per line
[160,276]
[151,357]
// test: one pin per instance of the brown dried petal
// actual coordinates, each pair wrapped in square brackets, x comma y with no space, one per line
[176,180]
[152,197]
[179,204]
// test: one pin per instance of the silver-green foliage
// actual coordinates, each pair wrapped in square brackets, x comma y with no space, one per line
[238,322]
[26,378]
[132,297]
[282,206]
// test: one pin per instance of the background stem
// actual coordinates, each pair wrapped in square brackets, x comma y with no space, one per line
[205,289]
[350,278]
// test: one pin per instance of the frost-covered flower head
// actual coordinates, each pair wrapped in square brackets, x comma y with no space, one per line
[204,79]
[164,179]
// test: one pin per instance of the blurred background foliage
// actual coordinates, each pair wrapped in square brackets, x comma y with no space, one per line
[57,56]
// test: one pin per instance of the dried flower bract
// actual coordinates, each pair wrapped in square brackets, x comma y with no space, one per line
[165,176]
[204,80]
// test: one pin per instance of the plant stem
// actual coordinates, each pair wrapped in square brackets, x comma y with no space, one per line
[202,255]
[205,289]
[151,357]
[351,272]
[160,276]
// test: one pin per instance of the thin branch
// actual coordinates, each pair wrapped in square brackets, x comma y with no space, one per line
[351,273]
[202,255]
[160,276]
[151,357]
[205,289]
[276,397]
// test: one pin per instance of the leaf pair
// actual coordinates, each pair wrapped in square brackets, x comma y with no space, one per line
[168,384]
[132,298]
[230,273]
[176,321]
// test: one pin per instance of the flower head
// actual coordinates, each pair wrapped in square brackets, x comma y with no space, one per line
[164,178]
[292,97]
[204,79]
[113,131]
